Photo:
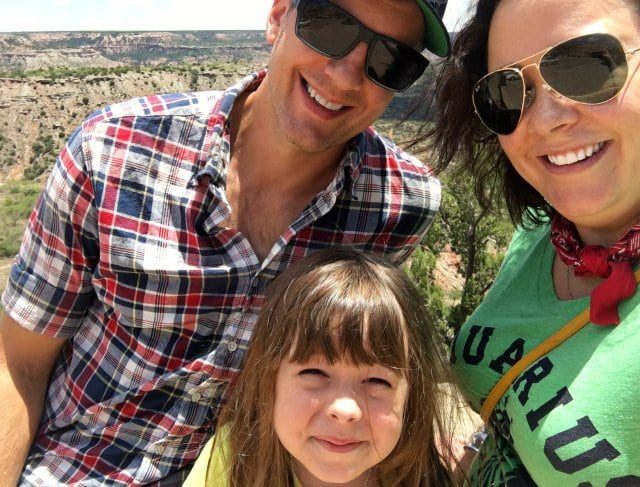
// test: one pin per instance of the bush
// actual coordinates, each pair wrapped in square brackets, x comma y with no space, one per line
[420,270]
[17,199]
[479,238]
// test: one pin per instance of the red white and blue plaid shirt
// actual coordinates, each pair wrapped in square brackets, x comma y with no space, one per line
[125,256]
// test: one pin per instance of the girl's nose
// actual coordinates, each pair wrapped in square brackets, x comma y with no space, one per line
[345,409]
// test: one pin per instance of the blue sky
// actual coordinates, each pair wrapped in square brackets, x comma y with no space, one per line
[43,15]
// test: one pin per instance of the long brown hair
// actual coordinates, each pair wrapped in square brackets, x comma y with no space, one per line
[459,135]
[341,303]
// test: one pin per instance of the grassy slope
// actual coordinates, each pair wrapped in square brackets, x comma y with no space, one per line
[16,202]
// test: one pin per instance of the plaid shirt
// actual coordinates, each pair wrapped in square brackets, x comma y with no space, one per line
[125,256]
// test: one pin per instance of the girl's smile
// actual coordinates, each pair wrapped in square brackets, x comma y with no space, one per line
[338,420]
[338,445]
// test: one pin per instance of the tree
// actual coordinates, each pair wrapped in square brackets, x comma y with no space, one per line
[420,270]
[479,237]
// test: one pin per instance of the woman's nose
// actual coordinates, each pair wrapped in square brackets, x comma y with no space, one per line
[549,111]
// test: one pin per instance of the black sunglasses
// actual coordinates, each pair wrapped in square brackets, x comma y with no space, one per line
[589,69]
[334,32]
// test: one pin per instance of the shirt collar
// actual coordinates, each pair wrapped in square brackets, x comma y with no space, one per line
[220,149]
[219,154]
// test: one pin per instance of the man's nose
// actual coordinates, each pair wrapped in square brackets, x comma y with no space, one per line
[347,72]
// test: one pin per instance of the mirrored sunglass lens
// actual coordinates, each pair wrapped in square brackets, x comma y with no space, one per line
[327,29]
[589,69]
[394,65]
[498,100]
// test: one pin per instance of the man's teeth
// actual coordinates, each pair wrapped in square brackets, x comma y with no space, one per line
[321,101]
[575,156]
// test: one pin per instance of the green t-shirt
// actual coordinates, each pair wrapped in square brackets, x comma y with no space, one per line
[573,417]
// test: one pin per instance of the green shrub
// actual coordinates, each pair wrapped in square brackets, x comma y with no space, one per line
[420,270]
[17,199]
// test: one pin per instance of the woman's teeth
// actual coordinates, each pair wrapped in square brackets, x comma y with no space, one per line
[321,101]
[575,156]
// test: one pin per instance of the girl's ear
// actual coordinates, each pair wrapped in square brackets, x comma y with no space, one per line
[276,19]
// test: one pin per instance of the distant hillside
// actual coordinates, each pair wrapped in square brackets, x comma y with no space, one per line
[41,50]
[38,113]
[50,80]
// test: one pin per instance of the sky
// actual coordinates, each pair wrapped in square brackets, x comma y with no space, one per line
[91,15]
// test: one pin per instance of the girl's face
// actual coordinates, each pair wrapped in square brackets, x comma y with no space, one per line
[598,193]
[338,421]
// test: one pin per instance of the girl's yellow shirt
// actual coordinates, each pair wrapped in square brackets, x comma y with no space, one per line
[210,469]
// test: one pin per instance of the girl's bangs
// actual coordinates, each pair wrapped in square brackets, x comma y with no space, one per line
[353,328]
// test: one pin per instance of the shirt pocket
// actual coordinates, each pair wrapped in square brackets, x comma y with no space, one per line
[163,414]
[161,293]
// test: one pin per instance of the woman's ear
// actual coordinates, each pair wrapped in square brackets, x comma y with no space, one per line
[276,19]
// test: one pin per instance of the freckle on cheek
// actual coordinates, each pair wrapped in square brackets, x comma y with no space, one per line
[388,418]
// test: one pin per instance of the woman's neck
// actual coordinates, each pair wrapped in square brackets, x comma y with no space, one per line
[605,237]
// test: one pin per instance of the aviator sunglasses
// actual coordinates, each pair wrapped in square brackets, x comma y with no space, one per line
[334,32]
[590,69]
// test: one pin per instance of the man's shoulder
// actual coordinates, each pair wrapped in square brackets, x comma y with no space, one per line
[379,151]
[186,104]
[393,174]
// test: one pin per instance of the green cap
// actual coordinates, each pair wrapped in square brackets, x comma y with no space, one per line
[436,36]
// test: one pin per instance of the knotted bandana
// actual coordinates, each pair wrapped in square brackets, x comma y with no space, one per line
[614,265]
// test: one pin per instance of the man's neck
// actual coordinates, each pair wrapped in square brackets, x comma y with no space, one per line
[263,154]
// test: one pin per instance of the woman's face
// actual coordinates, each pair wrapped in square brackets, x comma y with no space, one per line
[600,193]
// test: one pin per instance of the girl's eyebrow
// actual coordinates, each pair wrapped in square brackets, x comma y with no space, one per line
[397,371]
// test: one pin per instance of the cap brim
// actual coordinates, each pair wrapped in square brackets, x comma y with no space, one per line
[436,36]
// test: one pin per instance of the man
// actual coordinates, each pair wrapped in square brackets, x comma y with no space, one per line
[133,298]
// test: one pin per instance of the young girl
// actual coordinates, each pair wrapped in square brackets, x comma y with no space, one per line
[340,385]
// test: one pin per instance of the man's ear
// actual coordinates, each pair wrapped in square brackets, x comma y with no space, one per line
[276,19]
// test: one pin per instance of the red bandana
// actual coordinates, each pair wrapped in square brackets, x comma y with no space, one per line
[612,264]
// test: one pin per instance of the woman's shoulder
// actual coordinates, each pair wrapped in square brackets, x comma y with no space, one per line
[526,238]
[527,254]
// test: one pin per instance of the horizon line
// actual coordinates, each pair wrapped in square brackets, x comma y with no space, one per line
[36,31]
[126,30]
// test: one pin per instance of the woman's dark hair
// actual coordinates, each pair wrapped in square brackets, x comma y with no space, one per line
[458,134]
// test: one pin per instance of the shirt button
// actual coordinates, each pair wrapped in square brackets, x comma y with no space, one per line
[158,448]
[196,396]
[232,346]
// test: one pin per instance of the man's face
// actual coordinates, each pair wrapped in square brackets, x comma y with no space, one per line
[320,103]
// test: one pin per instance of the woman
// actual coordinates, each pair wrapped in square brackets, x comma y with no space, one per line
[556,91]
